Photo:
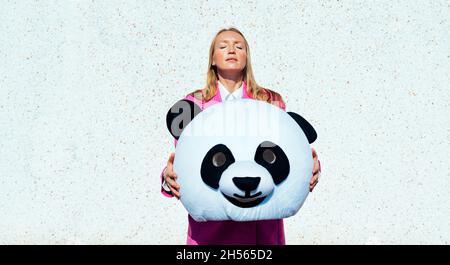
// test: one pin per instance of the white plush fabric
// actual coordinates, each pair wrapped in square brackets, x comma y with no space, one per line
[242,125]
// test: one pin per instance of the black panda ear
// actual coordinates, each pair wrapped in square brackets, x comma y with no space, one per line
[180,115]
[306,127]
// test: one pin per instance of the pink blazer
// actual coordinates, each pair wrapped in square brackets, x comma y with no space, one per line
[266,232]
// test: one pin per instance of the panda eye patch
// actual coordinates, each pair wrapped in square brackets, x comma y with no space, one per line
[272,157]
[215,162]
[219,159]
[269,156]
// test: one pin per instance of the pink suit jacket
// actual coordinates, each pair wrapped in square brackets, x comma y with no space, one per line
[266,232]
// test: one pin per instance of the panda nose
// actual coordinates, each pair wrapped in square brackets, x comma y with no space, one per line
[247,184]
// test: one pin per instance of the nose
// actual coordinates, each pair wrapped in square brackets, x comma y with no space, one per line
[247,184]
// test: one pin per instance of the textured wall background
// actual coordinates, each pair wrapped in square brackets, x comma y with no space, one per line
[85,85]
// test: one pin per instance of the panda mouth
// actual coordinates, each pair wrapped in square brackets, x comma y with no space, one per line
[245,201]
[247,198]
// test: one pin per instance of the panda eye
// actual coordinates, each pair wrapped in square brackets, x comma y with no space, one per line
[219,159]
[269,156]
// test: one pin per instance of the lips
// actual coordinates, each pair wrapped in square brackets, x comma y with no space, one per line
[231,59]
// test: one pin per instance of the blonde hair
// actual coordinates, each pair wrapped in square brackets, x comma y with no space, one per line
[253,89]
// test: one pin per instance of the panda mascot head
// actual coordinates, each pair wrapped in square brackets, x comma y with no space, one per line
[241,160]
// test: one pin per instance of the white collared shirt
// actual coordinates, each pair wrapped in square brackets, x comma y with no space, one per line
[226,95]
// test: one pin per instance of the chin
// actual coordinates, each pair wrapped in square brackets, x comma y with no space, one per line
[238,69]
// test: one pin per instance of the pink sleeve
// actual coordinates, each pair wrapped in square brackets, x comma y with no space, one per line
[189,97]
[164,192]
[281,104]
[277,101]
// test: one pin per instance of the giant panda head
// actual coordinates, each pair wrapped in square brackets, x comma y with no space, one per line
[241,160]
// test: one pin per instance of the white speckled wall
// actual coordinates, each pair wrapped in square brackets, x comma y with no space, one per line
[85,85]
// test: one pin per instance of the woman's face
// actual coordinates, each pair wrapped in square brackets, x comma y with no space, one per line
[230,52]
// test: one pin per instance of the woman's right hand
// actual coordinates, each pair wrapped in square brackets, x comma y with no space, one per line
[170,177]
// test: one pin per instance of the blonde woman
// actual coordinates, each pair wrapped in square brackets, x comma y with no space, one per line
[230,76]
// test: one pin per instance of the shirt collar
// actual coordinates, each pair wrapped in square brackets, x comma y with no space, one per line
[226,95]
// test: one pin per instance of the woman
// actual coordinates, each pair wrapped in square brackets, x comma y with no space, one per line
[230,76]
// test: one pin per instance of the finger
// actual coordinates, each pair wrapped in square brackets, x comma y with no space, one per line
[315,161]
[314,179]
[169,182]
[171,174]
[171,158]
[175,192]
[176,185]
[313,184]
[315,166]
[172,190]
[169,169]
[173,184]
[314,153]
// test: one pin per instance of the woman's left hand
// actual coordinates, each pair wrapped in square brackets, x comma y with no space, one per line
[316,171]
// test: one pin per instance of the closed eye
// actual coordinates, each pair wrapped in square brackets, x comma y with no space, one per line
[237,47]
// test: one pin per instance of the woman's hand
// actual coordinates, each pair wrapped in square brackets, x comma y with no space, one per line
[316,171]
[170,177]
